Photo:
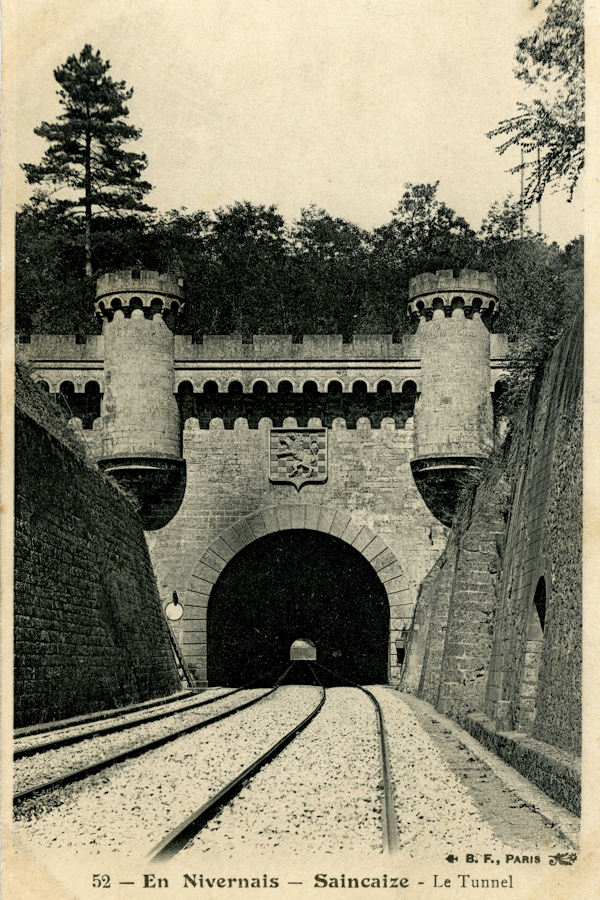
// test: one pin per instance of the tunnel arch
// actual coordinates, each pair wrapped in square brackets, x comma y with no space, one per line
[290,584]
[290,517]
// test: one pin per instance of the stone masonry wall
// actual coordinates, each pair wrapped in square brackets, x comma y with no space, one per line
[89,629]
[466,652]
[544,541]
[418,641]
[471,649]
[457,604]
[370,490]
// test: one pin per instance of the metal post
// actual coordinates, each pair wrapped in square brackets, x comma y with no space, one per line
[539,193]
[522,192]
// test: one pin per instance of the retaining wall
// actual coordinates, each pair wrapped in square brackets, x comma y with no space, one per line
[480,649]
[89,631]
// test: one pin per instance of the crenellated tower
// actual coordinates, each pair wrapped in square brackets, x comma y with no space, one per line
[453,414]
[141,440]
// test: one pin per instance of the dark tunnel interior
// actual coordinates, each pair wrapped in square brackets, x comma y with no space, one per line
[297,584]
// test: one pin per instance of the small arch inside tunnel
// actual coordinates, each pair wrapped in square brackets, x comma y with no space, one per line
[295,583]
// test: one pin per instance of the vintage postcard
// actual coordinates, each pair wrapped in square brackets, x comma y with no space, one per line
[293,449]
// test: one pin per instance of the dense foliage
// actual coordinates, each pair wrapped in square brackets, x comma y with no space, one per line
[246,271]
[551,61]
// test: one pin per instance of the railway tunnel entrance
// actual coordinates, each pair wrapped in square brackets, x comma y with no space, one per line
[297,584]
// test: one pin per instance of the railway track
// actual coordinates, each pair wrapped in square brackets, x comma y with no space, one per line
[388,814]
[179,836]
[230,795]
[42,729]
[187,830]
[390,822]
[85,728]
[182,834]
[79,773]
[53,739]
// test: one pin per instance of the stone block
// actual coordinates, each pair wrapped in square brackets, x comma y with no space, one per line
[340,522]
[257,525]
[396,585]
[284,517]
[298,516]
[363,539]
[244,532]
[382,560]
[233,540]
[351,531]
[206,573]
[326,517]
[270,519]
[200,585]
[311,516]
[222,550]
[388,572]
[211,559]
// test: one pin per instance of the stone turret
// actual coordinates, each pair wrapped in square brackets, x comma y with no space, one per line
[453,415]
[141,440]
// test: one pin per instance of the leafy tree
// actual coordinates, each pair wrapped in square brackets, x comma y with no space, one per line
[51,293]
[552,60]
[180,242]
[424,233]
[86,154]
[246,272]
[330,270]
[504,221]
[318,234]
[247,247]
[541,290]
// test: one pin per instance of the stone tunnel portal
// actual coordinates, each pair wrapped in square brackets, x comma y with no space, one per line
[297,584]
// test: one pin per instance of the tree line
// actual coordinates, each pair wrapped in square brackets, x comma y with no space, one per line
[248,271]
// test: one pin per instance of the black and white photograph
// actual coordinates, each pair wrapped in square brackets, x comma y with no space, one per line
[293,449]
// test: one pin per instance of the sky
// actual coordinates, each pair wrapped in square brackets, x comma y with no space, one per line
[293,102]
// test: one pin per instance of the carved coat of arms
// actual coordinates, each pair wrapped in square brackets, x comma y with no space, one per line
[298,456]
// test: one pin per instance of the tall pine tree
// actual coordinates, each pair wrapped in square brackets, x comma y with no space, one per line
[86,154]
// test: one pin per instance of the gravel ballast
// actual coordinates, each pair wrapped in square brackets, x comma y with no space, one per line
[322,794]
[131,806]
[44,766]
[433,808]
[40,739]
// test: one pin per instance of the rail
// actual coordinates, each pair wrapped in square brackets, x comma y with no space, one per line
[179,836]
[136,750]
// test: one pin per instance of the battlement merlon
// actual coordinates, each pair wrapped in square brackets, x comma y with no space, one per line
[39,349]
[231,348]
[224,358]
[273,357]
[467,289]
